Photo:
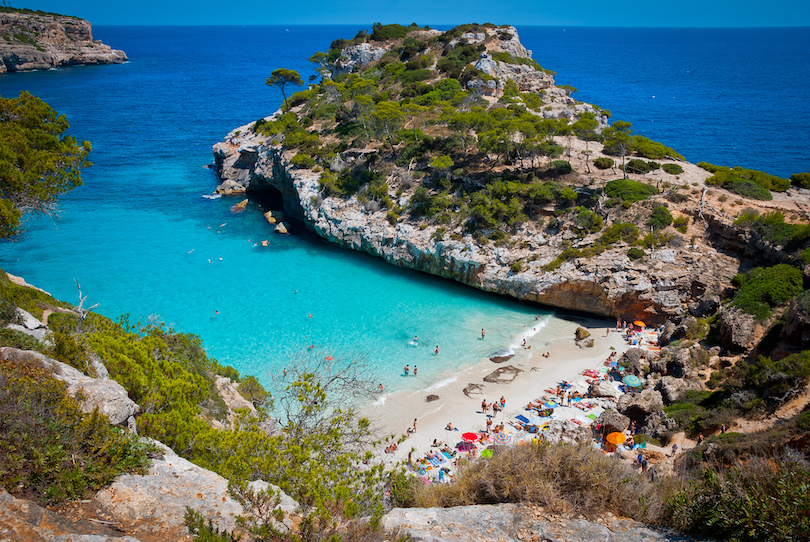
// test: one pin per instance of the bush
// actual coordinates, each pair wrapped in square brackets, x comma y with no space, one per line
[562,167]
[773,228]
[635,253]
[660,218]
[624,231]
[603,162]
[629,190]
[412,76]
[681,223]
[53,452]
[802,180]
[739,178]
[303,161]
[637,166]
[588,220]
[672,169]
[766,287]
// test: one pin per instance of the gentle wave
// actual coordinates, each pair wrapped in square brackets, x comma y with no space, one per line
[441,384]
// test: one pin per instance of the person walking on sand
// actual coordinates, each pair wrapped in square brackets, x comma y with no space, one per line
[484,406]
[414,425]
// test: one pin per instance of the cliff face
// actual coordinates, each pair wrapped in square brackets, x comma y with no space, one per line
[40,41]
[609,284]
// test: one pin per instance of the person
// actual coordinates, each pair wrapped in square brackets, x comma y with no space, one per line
[415,339]
[723,428]
[436,352]
[216,313]
[484,406]
[524,343]
[489,424]
[640,458]
[449,427]
[700,439]
[503,401]
[381,387]
[482,334]
[436,443]
[674,449]
[415,368]
[414,425]
[407,369]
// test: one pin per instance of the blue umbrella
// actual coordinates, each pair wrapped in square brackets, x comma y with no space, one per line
[632,380]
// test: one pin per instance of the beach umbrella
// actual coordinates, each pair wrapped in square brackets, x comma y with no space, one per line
[503,438]
[632,380]
[486,453]
[465,446]
[616,438]
[550,404]
[470,437]
[639,323]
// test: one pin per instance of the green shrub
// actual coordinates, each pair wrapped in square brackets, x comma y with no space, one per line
[802,180]
[766,287]
[660,218]
[637,166]
[629,190]
[739,178]
[603,162]
[562,167]
[51,451]
[625,231]
[773,228]
[681,223]
[672,169]
[634,253]
[303,161]
[384,32]
[647,148]
[412,76]
[588,220]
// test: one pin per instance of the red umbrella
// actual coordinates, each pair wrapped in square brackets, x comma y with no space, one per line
[470,437]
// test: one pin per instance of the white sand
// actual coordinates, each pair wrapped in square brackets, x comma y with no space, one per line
[394,413]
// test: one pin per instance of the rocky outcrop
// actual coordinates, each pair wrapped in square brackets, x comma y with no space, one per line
[152,506]
[108,395]
[42,41]
[797,322]
[738,330]
[672,389]
[513,523]
[355,57]
[635,361]
[24,521]
[638,406]
[611,421]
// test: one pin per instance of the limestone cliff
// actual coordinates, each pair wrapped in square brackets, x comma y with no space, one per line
[42,41]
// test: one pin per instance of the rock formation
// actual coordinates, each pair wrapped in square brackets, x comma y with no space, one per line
[42,41]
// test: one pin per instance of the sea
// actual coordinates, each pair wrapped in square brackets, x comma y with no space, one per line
[142,239]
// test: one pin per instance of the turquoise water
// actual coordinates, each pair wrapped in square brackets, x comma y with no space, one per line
[139,235]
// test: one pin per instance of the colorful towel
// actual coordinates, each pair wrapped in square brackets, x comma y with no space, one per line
[522,418]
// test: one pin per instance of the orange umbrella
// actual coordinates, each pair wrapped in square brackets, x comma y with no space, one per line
[616,438]
[639,323]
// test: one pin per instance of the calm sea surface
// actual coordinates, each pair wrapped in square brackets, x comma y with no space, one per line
[142,240]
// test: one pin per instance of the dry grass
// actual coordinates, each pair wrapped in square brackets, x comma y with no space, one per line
[564,479]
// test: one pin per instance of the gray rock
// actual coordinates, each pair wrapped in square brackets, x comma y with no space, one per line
[797,321]
[658,425]
[672,388]
[602,389]
[738,330]
[639,405]
[581,333]
[635,361]
[611,421]
[108,395]
[567,432]
[514,523]
[153,505]
[28,320]
[39,334]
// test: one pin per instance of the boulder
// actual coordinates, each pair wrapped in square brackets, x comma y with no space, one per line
[567,432]
[636,361]
[511,522]
[658,425]
[581,333]
[588,343]
[738,330]
[281,228]
[431,398]
[676,362]
[239,207]
[602,389]
[639,405]
[230,186]
[270,218]
[153,505]
[672,388]
[667,334]
[28,320]
[612,421]
[797,322]
[22,520]
[108,395]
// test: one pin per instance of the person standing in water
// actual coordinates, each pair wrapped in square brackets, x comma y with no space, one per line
[407,369]
[436,352]
[482,334]
[414,370]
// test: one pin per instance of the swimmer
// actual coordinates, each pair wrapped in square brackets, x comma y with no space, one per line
[285,371]
[309,314]
[436,352]
[209,260]
[190,251]
[220,258]
[216,313]
[415,339]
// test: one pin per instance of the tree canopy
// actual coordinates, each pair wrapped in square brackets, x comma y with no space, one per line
[282,77]
[38,161]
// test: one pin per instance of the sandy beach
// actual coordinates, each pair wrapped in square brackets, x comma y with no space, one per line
[392,414]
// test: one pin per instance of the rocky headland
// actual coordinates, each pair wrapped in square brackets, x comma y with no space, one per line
[34,40]
[685,274]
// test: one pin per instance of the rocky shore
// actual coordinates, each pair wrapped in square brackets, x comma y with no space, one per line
[43,41]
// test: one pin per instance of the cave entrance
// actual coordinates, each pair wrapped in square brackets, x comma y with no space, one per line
[269,199]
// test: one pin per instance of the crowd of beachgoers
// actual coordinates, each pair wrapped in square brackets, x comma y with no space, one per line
[563,405]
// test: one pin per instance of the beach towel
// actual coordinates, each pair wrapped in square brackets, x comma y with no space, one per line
[521,418]
[448,456]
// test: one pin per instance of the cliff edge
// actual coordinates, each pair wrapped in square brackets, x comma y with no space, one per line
[42,41]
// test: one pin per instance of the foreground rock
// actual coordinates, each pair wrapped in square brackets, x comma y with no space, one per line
[42,41]
[24,521]
[108,395]
[513,523]
[152,506]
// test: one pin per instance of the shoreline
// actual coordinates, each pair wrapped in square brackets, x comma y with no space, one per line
[392,414]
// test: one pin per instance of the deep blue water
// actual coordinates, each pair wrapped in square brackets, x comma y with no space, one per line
[139,236]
